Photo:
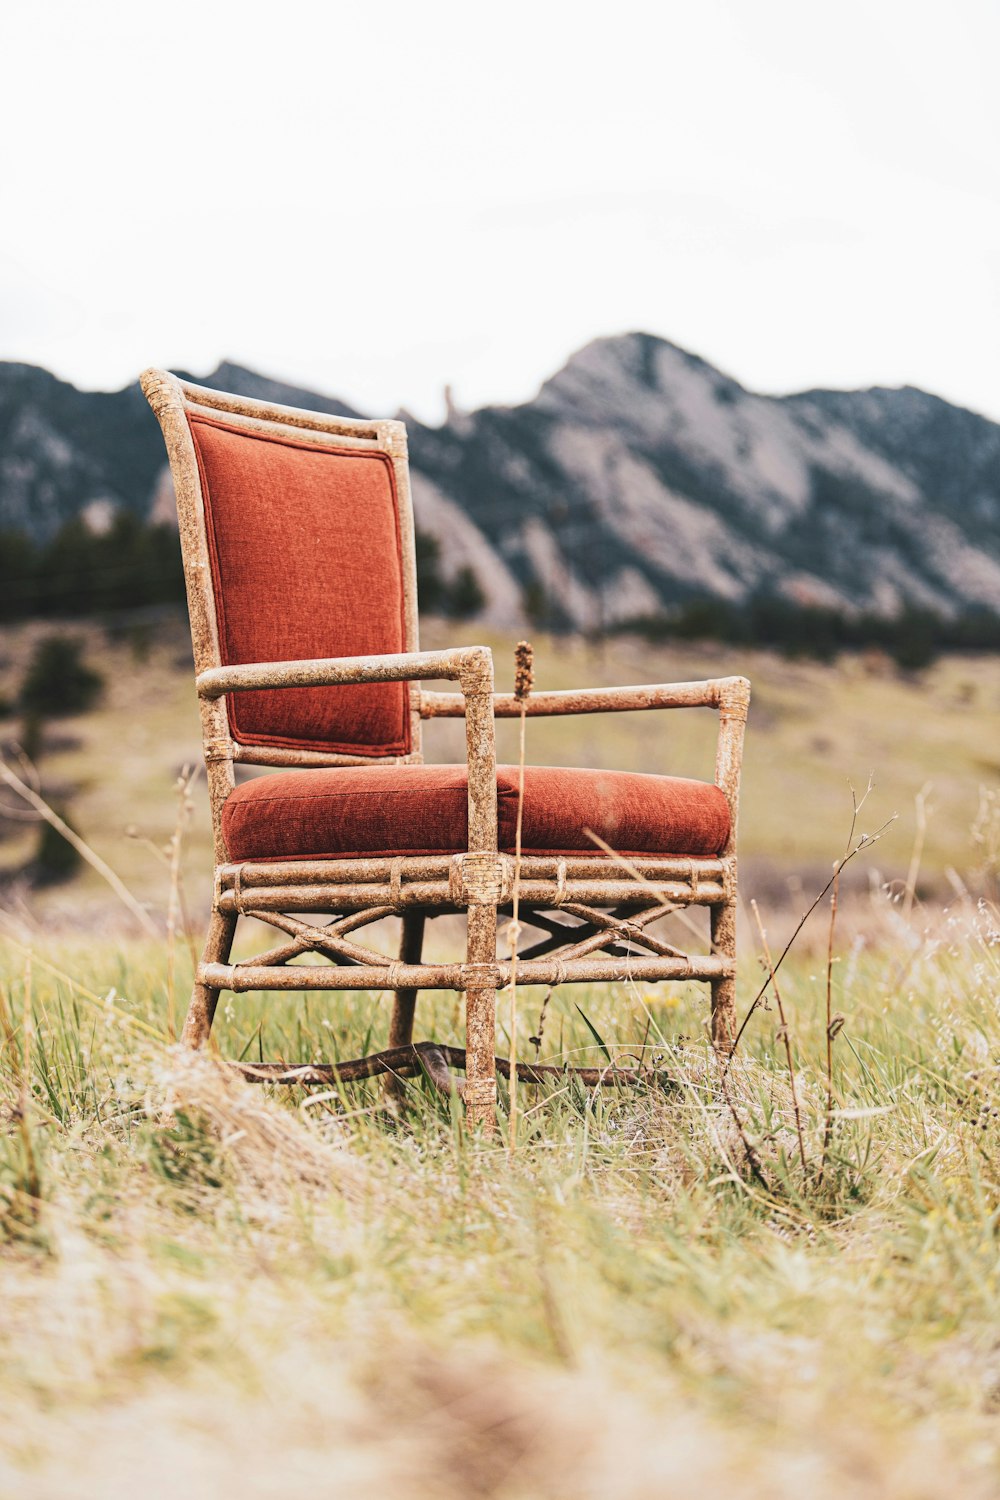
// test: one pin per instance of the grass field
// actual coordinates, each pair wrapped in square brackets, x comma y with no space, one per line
[207,1291]
[210,1290]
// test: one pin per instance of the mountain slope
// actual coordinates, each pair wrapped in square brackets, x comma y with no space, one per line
[648,474]
[639,477]
[64,451]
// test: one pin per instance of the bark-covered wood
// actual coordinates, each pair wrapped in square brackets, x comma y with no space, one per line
[733,708]
[205,997]
[586,700]
[432,1058]
[440,893]
[473,663]
[480,971]
[404,1006]
[428,867]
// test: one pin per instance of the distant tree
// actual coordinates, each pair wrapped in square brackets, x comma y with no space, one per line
[535,603]
[431,587]
[457,598]
[65,571]
[700,619]
[58,681]
[912,639]
[18,576]
[32,736]
[56,859]
[465,597]
[80,571]
[914,645]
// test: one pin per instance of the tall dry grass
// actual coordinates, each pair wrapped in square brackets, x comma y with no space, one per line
[210,1288]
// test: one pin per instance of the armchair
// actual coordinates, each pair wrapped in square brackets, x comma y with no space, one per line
[297,537]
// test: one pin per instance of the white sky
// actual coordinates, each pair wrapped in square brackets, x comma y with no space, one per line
[374,199]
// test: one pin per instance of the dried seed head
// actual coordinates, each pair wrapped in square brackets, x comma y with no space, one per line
[524,672]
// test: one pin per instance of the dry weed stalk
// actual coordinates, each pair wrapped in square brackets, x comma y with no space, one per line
[523,681]
[986,832]
[916,854]
[749,1149]
[32,1177]
[835,1023]
[543,1010]
[784,1035]
[830,1032]
[40,806]
[864,842]
[7,1025]
[668,908]
[25,1194]
[174,850]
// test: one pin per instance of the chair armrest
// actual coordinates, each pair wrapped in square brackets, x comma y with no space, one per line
[716,692]
[469,665]
[729,695]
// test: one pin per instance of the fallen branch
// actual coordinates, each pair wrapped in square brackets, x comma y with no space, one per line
[433,1059]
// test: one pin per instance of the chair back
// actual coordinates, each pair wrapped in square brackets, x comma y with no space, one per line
[297,535]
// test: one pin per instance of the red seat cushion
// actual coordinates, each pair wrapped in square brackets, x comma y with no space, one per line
[306,558]
[372,810]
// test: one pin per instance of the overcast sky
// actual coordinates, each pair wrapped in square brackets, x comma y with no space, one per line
[377,199]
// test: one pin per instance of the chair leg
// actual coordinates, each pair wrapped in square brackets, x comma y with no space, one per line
[405,1003]
[724,990]
[204,999]
[480,1024]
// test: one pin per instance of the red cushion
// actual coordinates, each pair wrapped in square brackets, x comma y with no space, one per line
[306,561]
[370,810]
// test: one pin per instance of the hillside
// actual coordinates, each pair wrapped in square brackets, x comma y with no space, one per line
[639,477]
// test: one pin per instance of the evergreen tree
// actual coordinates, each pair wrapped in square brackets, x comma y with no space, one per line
[465,597]
[58,681]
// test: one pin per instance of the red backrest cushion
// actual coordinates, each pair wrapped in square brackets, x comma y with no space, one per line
[306,560]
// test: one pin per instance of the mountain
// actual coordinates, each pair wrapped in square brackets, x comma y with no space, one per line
[638,478]
[64,452]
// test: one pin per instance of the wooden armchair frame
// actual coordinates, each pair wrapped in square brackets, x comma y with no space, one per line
[612,902]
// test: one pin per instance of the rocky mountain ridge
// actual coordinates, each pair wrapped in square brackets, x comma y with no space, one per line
[638,478]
